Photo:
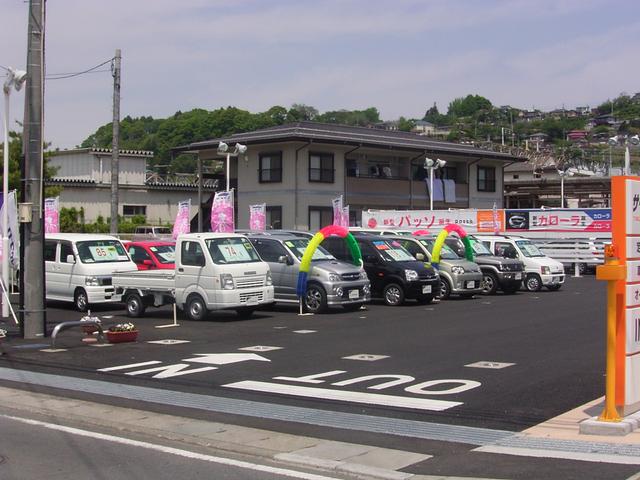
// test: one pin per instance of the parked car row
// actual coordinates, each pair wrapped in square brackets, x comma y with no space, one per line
[211,271]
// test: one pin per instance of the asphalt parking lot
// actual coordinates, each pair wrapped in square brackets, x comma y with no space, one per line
[532,355]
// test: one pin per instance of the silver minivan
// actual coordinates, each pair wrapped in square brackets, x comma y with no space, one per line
[330,281]
[457,275]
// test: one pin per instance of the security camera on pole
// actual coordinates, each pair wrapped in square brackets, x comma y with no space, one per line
[15,79]
[431,165]
[563,173]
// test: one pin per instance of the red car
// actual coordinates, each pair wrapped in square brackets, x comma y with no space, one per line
[151,255]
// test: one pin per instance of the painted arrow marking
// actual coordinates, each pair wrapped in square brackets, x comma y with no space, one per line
[224,358]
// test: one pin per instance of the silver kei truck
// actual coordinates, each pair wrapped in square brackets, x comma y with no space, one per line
[498,273]
[331,282]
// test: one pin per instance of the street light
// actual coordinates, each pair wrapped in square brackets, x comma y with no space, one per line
[431,165]
[626,141]
[563,173]
[15,79]
[223,149]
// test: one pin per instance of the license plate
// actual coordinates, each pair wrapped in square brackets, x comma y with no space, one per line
[518,276]
[426,289]
[471,284]
[353,294]
[253,300]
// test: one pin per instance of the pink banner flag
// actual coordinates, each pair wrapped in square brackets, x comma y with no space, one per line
[183,224]
[337,210]
[222,219]
[257,216]
[345,217]
[51,215]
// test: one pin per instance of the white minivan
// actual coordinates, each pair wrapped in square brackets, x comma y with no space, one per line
[78,267]
[540,270]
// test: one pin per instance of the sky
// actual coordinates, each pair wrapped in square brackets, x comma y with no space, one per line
[399,56]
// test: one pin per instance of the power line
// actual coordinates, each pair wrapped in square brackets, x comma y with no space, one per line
[61,76]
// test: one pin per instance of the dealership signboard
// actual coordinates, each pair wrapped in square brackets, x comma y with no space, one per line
[586,221]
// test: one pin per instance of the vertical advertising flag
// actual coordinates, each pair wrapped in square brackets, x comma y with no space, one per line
[337,210]
[257,216]
[345,217]
[182,224]
[13,232]
[222,220]
[52,215]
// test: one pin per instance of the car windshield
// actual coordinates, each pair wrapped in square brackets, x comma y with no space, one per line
[391,251]
[232,250]
[299,246]
[529,249]
[445,254]
[102,251]
[479,248]
[165,254]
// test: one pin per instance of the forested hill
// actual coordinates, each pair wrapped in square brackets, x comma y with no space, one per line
[161,135]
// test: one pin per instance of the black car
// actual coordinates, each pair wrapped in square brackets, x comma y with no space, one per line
[393,272]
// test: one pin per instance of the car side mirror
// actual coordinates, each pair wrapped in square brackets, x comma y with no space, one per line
[370,259]
[285,260]
[420,257]
[71,259]
[147,262]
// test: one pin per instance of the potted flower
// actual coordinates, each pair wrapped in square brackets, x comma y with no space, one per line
[122,332]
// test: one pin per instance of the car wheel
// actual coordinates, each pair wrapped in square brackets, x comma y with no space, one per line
[425,299]
[81,300]
[393,295]
[315,300]
[555,287]
[489,283]
[445,289]
[352,307]
[245,312]
[533,283]
[196,308]
[135,305]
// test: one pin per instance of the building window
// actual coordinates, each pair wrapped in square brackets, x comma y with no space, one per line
[449,173]
[132,210]
[321,167]
[516,176]
[274,217]
[270,167]
[486,179]
[320,217]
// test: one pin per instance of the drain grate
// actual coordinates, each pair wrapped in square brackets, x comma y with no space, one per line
[365,357]
[260,348]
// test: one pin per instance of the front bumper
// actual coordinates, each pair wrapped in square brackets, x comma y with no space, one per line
[102,294]
[249,297]
[343,293]
[510,279]
[423,287]
[553,279]
[466,283]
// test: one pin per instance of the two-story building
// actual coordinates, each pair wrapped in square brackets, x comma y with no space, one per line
[85,175]
[297,169]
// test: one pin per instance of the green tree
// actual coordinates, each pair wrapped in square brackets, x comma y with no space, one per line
[469,105]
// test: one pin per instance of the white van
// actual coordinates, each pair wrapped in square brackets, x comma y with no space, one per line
[540,270]
[78,267]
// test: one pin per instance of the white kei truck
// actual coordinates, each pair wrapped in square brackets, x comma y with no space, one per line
[214,271]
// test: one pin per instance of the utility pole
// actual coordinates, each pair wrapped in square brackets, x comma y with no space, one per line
[115,149]
[32,291]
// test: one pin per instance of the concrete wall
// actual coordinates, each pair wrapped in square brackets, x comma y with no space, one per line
[96,166]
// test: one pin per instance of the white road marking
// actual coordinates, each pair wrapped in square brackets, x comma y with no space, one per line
[131,365]
[168,341]
[169,371]
[585,457]
[345,396]
[304,331]
[311,378]
[365,357]
[53,350]
[224,358]
[260,348]
[494,365]
[172,451]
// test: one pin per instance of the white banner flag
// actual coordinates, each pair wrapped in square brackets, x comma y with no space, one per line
[13,232]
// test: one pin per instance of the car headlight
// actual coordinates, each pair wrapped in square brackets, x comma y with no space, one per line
[458,270]
[339,292]
[366,289]
[269,280]
[334,277]
[226,281]
[502,266]
[363,275]
[545,270]
[411,275]
[91,281]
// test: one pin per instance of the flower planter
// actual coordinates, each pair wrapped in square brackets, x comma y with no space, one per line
[119,337]
[90,329]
